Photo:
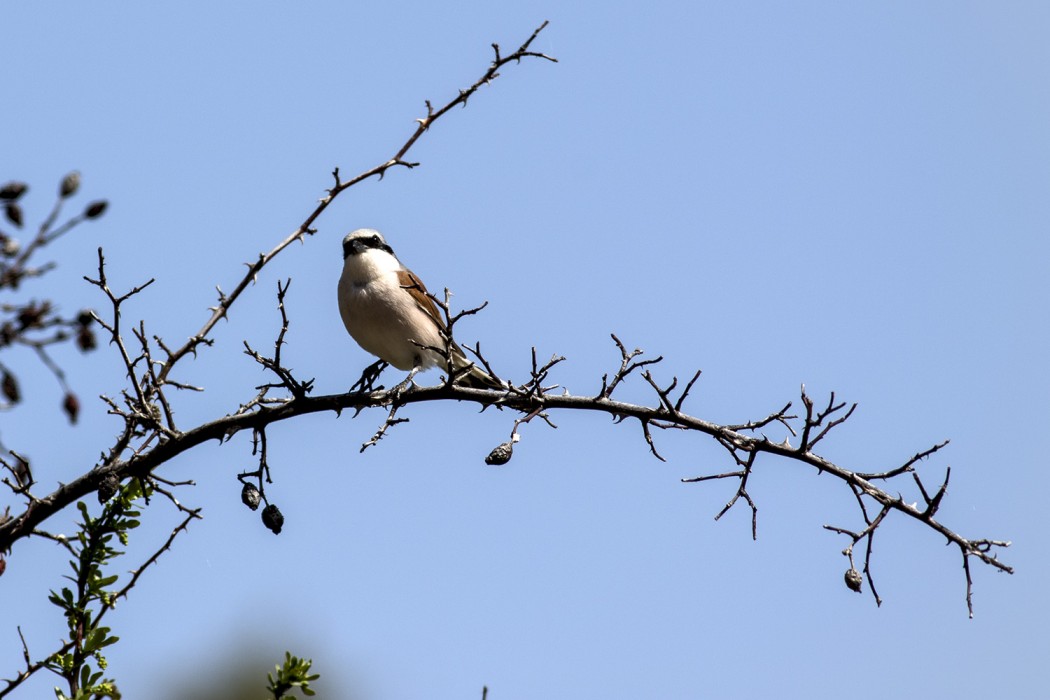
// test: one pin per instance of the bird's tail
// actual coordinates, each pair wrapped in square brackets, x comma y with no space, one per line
[474,377]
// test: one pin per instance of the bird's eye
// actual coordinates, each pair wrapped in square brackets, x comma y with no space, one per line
[374,241]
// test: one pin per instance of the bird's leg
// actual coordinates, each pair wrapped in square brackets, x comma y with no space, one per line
[369,377]
[403,386]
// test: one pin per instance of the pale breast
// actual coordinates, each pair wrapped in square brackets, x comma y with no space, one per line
[384,320]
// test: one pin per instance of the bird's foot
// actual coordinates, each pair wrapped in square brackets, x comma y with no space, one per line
[369,376]
[404,386]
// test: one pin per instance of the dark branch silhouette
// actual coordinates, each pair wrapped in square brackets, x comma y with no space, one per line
[150,436]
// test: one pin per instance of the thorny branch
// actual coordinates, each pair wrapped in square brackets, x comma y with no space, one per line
[533,398]
[150,436]
[145,406]
[273,364]
[306,227]
[32,667]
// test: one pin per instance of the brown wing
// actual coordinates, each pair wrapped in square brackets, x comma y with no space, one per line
[414,286]
[476,377]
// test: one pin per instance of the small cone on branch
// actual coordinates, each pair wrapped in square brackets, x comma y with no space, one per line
[12,191]
[71,405]
[13,213]
[70,184]
[272,519]
[500,454]
[10,388]
[250,496]
[95,209]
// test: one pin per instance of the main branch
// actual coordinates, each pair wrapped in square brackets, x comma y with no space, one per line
[151,438]
[531,399]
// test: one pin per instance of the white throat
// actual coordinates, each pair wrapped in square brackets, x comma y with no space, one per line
[369,266]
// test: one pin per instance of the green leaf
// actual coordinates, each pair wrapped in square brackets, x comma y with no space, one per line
[97,639]
[91,642]
[102,639]
[67,598]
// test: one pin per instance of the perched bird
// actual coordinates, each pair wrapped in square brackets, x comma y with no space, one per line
[385,308]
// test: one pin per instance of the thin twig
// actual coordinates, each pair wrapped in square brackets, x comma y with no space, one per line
[306,227]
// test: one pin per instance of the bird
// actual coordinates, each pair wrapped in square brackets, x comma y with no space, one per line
[386,309]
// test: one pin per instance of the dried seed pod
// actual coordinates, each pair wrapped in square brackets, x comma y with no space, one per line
[84,318]
[250,496]
[95,209]
[10,387]
[272,519]
[30,316]
[70,184]
[108,488]
[71,405]
[86,339]
[12,191]
[500,454]
[853,580]
[13,213]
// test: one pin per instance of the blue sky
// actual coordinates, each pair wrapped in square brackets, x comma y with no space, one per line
[851,197]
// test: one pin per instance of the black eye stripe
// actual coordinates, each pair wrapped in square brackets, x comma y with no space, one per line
[354,246]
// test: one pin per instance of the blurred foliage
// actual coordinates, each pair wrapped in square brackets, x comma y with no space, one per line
[295,673]
[92,594]
[36,323]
